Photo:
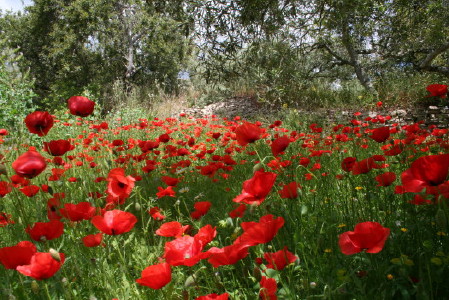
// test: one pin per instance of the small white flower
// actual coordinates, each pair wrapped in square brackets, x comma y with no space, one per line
[184,190]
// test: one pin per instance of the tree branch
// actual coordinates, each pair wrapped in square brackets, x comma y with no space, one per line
[426,63]
[436,69]
[334,54]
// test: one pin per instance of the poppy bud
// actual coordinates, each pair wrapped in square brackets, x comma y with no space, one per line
[257,167]
[55,254]
[190,281]
[34,287]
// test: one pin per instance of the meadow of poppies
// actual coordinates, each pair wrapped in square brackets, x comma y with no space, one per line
[216,208]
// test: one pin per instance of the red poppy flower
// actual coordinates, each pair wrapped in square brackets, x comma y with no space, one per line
[443,189]
[348,163]
[119,187]
[155,213]
[3,132]
[170,181]
[290,191]
[18,255]
[228,255]
[172,229]
[386,179]
[201,208]
[186,250]
[214,296]
[363,166]
[30,164]
[5,188]
[255,233]
[115,222]
[279,145]
[238,212]
[395,150]
[57,147]
[80,106]
[268,288]
[42,265]
[39,122]
[182,152]
[30,190]
[52,206]
[315,128]
[216,135]
[155,276]
[437,90]
[304,161]
[367,236]
[247,133]
[5,219]
[380,134]
[146,146]
[45,231]
[420,200]
[280,259]
[426,172]
[164,138]
[165,192]
[78,212]
[257,188]
[93,240]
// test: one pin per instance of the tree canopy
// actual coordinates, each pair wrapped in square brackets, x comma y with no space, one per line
[73,46]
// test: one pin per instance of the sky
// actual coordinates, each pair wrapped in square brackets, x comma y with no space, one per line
[14,5]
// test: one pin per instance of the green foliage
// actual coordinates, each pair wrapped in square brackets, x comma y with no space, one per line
[78,45]
[282,52]
[278,74]
[275,70]
[16,94]
[405,89]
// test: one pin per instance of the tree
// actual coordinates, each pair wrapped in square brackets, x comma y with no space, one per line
[16,92]
[75,45]
[416,34]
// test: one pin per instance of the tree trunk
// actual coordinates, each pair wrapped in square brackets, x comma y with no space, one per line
[354,61]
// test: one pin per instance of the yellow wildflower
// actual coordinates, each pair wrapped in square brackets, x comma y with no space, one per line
[436,261]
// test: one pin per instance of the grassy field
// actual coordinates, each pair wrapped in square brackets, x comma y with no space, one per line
[180,208]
